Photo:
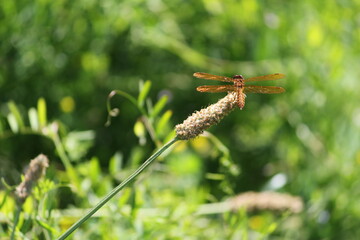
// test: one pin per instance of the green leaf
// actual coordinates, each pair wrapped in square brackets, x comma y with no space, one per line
[46,226]
[160,126]
[33,118]
[140,131]
[41,107]
[16,115]
[4,195]
[94,169]
[14,126]
[271,228]
[124,197]
[215,176]
[115,164]
[77,143]
[159,106]
[145,89]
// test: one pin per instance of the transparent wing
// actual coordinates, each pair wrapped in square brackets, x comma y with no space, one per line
[274,76]
[263,89]
[216,88]
[212,77]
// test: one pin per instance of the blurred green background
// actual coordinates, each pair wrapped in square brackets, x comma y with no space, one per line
[304,142]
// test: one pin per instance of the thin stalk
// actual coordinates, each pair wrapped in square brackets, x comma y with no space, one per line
[72,174]
[117,189]
[16,220]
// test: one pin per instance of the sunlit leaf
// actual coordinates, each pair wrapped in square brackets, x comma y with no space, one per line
[28,205]
[159,106]
[16,114]
[46,226]
[42,115]
[8,204]
[33,118]
[140,131]
[13,123]
[143,93]
[163,121]
[125,196]
[78,143]
[3,197]
[215,176]
[94,170]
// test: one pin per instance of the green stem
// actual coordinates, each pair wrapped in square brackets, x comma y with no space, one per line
[72,174]
[16,220]
[117,189]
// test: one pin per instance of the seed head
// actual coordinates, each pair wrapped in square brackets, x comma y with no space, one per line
[267,201]
[205,118]
[34,172]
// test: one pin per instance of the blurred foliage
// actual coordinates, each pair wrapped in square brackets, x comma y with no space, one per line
[67,56]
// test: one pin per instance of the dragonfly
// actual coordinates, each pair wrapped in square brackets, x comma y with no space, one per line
[239,85]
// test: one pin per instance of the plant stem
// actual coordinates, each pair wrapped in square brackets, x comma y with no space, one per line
[117,189]
[16,220]
[73,176]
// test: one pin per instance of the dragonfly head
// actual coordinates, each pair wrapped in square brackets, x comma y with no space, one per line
[238,77]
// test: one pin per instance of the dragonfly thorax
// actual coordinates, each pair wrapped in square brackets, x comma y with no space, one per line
[238,81]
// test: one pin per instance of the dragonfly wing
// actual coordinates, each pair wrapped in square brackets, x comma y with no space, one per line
[274,76]
[216,88]
[263,89]
[212,77]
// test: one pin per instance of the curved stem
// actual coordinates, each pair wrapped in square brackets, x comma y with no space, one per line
[117,189]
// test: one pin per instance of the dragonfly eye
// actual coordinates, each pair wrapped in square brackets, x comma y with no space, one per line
[238,77]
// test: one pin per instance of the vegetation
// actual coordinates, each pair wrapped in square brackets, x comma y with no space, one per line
[59,61]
